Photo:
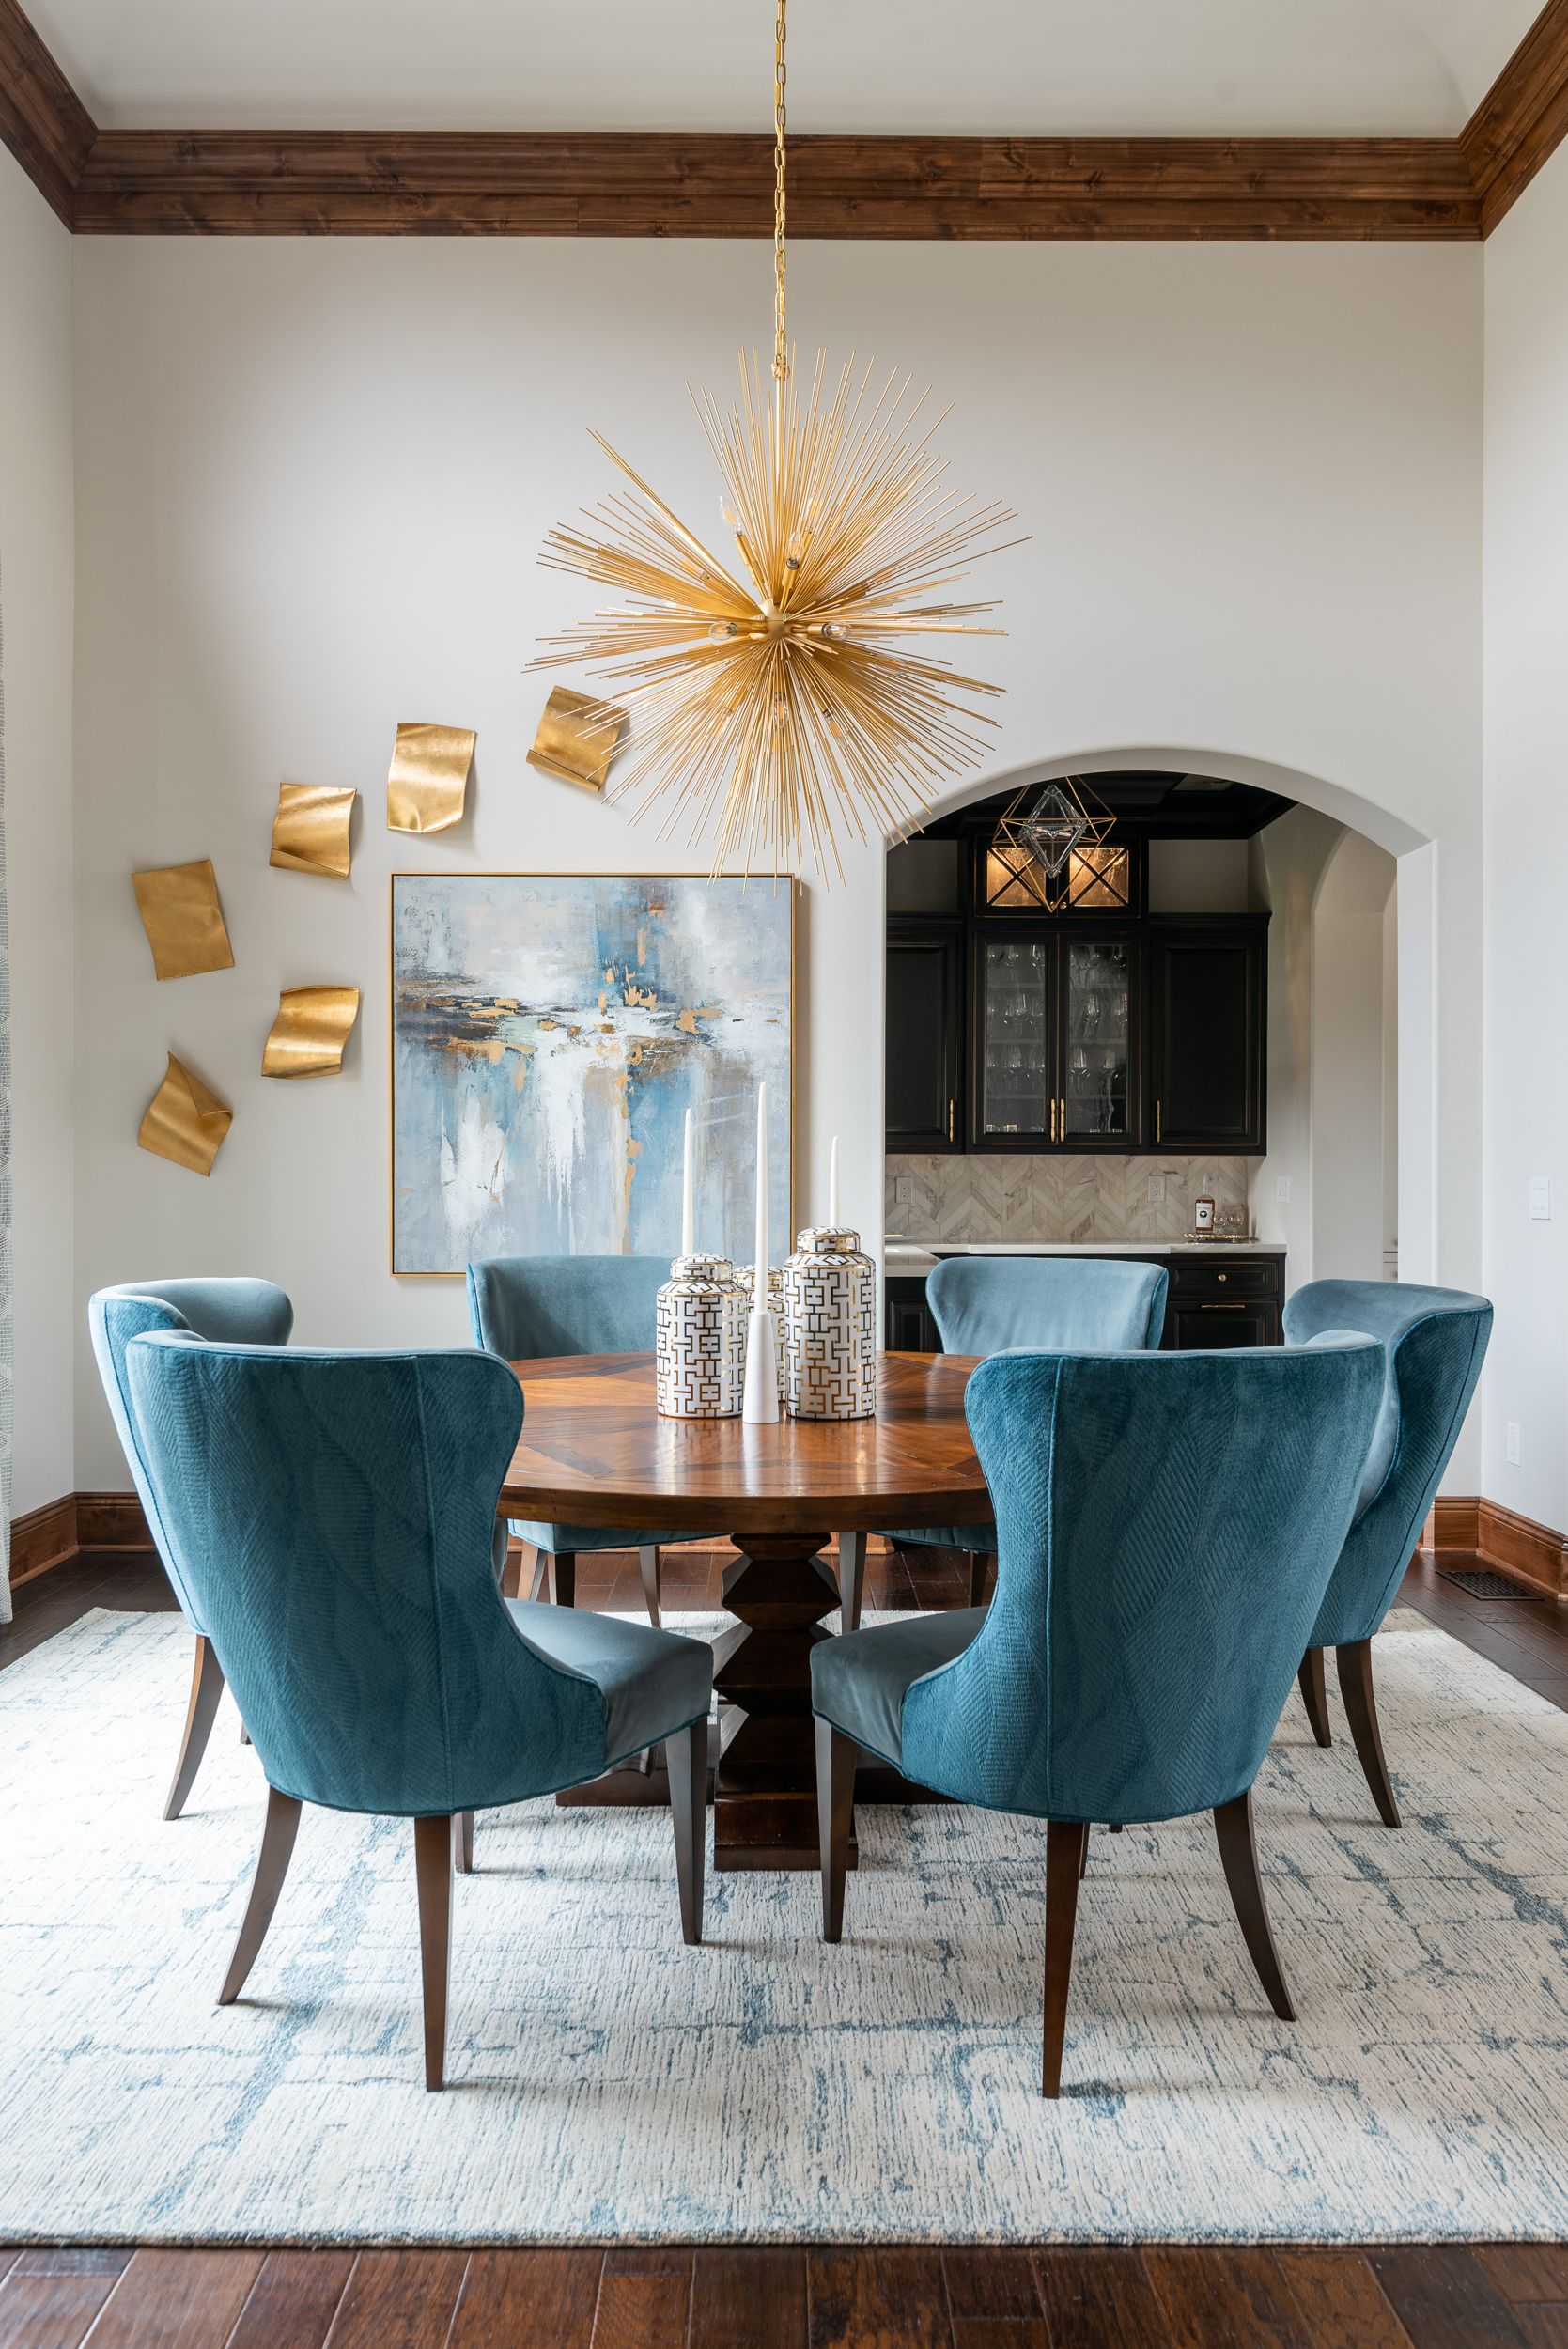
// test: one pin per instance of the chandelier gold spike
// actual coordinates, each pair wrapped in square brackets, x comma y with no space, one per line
[774,699]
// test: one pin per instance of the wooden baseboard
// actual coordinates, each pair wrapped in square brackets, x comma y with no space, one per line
[62,1529]
[1499,1538]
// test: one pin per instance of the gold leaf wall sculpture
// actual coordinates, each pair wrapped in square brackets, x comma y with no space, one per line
[428,778]
[183,920]
[310,1031]
[184,1122]
[310,831]
[578,738]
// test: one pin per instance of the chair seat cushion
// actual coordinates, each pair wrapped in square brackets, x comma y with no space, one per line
[653,1683]
[561,1540]
[981,1538]
[859,1682]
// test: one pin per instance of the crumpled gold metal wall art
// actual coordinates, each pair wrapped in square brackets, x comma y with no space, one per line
[578,738]
[310,831]
[183,920]
[184,1122]
[308,1035]
[429,777]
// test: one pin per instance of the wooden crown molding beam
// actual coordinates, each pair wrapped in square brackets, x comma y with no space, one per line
[1522,117]
[648,184]
[43,120]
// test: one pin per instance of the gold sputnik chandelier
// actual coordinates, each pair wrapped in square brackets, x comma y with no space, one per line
[777,695]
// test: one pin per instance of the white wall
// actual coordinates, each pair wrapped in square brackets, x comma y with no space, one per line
[313,478]
[36,589]
[1347,1073]
[1289,859]
[1523,1106]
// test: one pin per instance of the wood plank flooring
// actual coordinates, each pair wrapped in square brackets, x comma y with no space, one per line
[1404,2296]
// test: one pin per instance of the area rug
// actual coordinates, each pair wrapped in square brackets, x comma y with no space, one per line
[609,2084]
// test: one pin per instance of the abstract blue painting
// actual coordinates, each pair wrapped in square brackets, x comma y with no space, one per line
[550,1032]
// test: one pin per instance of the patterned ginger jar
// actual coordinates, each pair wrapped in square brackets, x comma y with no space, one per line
[700,1341]
[746,1277]
[830,1343]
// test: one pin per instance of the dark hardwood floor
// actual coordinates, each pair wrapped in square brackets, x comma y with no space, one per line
[1406,2296]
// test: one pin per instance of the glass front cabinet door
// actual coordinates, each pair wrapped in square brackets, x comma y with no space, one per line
[1056,1030]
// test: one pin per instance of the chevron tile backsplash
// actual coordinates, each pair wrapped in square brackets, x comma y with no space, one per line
[1002,1197]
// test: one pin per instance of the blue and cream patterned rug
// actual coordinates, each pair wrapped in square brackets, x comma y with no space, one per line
[608,2083]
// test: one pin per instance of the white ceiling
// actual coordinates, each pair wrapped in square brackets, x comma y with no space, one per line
[958,65]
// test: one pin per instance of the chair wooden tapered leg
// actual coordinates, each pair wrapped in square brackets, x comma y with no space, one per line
[540,1583]
[462,1841]
[1361,1703]
[1238,1853]
[281,1826]
[686,1759]
[647,1560]
[511,1573]
[1314,1695]
[432,1862]
[979,1561]
[851,1579]
[1067,1851]
[207,1686]
[563,1577]
[836,1756]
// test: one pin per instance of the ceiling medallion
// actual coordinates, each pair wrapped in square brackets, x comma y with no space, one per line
[1039,841]
[776,697]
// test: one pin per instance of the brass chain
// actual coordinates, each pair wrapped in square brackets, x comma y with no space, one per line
[781,356]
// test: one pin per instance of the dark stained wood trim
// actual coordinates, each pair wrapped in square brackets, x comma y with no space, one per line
[62,1529]
[675,184]
[1499,1537]
[111,1522]
[216,182]
[43,120]
[1522,117]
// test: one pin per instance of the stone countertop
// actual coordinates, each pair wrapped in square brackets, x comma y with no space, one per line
[915,1255]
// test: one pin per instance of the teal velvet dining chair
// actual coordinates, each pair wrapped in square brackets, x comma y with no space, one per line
[1432,1342]
[1167,1524]
[1069,1304]
[525,1307]
[331,1517]
[250,1312]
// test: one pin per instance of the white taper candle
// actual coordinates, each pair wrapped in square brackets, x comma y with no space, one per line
[759,1293]
[688,1199]
[833,1185]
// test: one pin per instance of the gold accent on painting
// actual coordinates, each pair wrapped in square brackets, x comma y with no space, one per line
[183,920]
[775,701]
[577,738]
[184,1122]
[310,831]
[308,1035]
[428,781]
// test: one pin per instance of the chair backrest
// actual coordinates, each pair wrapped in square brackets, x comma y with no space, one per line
[1167,1524]
[331,1514]
[1433,1341]
[243,1313]
[1072,1304]
[524,1307]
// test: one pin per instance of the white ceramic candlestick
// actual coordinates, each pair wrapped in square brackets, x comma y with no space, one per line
[832,1186]
[687,1202]
[760,1402]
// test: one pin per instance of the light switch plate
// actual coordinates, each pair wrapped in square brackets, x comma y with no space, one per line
[1281,1190]
[1540,1198]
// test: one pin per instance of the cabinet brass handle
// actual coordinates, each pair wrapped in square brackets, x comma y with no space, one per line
[951,1120]
[1222,1277]
[1221,1308]
[1159,1120]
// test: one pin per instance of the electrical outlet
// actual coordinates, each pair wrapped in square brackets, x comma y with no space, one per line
[1281,1190]
[1540,1198]
[1157,1191]
[902,1184]
[1513,1444]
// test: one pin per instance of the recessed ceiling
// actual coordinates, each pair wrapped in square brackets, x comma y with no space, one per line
[1139,68]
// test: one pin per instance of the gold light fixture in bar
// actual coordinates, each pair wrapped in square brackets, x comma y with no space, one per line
[307,1037]
[310,831]
[184,1122]
[792,689]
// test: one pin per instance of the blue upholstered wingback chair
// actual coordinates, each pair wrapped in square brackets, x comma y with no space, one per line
[1432,1342]
[525,1307]
[331,1514]
[1069,1304]
[246,1313]
[1167,1526]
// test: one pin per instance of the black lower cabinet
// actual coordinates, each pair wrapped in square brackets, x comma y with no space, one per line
[1212,1303]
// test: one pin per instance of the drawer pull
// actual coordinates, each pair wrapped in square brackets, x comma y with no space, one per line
[1221,1308]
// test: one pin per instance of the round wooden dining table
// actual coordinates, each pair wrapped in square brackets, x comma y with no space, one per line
[594,1452]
